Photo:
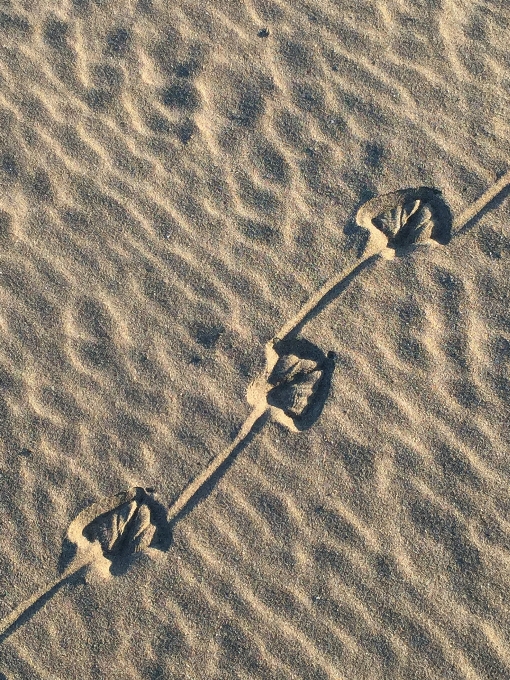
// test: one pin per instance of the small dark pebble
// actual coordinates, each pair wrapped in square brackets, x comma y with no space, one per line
[263,33]
[26,453]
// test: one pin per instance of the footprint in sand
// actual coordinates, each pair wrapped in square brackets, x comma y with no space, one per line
[296,384]
[408,216]
[295,381]
[103,535]
[121,531]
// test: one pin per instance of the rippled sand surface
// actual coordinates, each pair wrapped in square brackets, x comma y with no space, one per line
[176,179]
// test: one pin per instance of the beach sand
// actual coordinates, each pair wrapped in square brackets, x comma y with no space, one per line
[176,180]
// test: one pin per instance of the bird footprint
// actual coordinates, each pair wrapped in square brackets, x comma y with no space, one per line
[295,381]
[408,216]
[124,529]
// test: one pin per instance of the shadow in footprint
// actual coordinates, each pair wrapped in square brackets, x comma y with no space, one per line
[131,522]
[300,380]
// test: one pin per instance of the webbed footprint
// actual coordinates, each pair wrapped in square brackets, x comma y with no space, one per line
[121,524]
[104,534]
[408,216]
[295,382]
[123,531]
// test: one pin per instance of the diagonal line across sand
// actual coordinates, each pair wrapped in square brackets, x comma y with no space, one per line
[474,210]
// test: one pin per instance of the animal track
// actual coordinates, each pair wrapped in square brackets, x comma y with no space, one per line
[123,530]
[295,384]
[293,388]
[296,381]
[103,533]
[408,216]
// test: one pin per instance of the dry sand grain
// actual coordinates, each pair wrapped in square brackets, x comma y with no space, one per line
[176,180]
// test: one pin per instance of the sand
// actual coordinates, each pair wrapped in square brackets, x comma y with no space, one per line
[176,181]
